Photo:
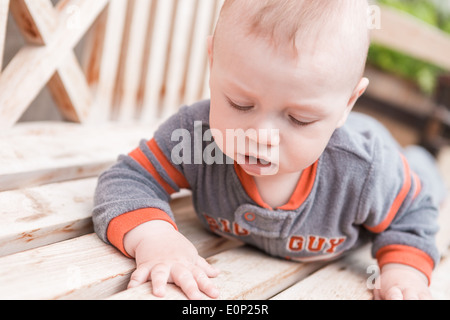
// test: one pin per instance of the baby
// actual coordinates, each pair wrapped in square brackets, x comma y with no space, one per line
[276,158]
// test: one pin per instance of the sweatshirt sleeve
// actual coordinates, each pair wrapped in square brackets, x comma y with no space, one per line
[401,211]
[137,188]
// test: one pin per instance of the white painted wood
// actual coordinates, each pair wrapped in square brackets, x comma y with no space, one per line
[103,48]
[4,5]
[38,153]
[39,216]
[155,79]
[246,274]
[85,267]
[133,58]
[179,52]
[33,66]
[345,279]
[198,56]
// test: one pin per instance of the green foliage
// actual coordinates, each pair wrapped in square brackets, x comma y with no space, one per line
[422,73]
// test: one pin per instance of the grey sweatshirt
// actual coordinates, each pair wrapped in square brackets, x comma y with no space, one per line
[363,187]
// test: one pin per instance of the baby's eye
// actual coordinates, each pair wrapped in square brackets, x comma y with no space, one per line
[238,107]
[299,123]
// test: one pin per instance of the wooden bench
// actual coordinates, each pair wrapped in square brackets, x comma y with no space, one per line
[141,60]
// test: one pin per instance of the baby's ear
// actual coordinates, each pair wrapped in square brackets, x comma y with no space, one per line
[357,93]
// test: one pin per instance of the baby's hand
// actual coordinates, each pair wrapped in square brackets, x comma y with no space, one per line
[163,255]
[401,282]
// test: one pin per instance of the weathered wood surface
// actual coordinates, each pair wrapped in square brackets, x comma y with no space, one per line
[34,154]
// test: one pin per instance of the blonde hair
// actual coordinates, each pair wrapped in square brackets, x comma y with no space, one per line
[292,22]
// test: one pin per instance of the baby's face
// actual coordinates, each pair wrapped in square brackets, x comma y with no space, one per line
[288,107]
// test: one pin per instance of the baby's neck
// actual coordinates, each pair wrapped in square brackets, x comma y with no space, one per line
[277,190]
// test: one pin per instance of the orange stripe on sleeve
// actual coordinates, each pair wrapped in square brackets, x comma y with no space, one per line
[140,158]
[173,173]
[417,184]
[397,202]
[406,255]
[121,225]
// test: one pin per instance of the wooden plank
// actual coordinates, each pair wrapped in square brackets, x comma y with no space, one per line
[36,19]
[68,85]
[440,286]
[70,90]
[136,30]
[205,91]
[39,216]
[33,66]
[198,61]
[345,279]
[101,58]
[39,153]
[67,270]
[246,274]
[398,92]
[410,35]
[43,215]
[157,62]
[179,52]
[4,8]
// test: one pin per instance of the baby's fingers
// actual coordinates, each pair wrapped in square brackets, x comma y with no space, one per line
[139,276]
[205,284]
[394,293]
[210,271]
[160,277]
[184,278]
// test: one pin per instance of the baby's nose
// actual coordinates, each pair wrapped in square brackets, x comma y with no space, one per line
[265,136]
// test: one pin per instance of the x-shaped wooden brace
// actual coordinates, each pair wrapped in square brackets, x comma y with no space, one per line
[53,33]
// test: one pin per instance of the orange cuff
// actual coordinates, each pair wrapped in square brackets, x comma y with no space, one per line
[121,225]
[410,256]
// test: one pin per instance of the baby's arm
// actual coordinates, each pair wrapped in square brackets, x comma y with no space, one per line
[401,282]
[164,255]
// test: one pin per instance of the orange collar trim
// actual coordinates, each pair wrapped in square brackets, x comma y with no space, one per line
[300,194]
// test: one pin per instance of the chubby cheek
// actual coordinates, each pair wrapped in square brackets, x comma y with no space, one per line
[219,124]
[299,154]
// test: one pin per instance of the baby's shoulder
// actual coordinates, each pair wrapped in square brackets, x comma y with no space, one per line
[362,139]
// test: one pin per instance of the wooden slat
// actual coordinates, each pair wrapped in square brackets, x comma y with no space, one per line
[179,54]
[155,73]
[85,267]
[440,287]
[345,279]
[198,56]
[4,8]
[410,35]
[205,91]
[136,30]
[68,85]
[39,216]
[36,19]
[101,58]
[39,153]
[246,274]
[33,66]
[70,91]
[398,92]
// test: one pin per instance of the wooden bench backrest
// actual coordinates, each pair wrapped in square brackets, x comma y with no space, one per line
[141,60]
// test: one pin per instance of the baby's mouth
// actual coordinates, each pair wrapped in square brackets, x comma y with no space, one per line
[256,166]
[257,161]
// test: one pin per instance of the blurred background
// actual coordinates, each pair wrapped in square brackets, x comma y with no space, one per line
[409,89]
